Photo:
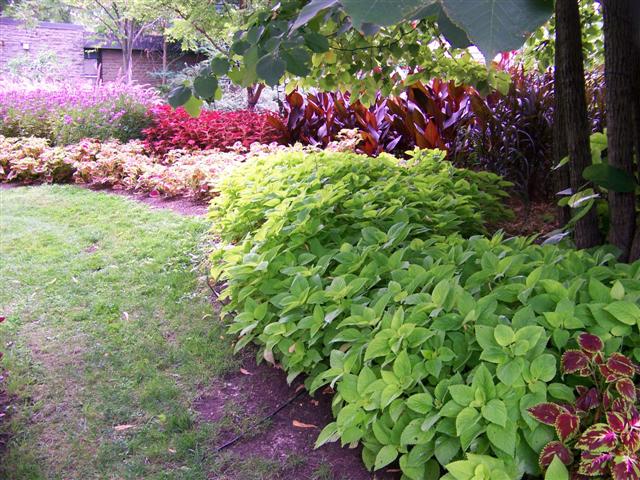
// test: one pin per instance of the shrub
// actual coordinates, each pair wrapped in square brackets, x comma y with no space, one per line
[65,115]
[176,129]
[511,135]
[129,166]
[31,159]
[424,116]
[350,271]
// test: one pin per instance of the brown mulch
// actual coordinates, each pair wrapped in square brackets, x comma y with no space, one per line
[535,218]
[257,391]
[181,205]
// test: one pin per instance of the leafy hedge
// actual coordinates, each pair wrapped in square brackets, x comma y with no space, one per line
[356,272]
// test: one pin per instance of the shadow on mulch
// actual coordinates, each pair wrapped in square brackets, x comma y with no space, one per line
[257,391]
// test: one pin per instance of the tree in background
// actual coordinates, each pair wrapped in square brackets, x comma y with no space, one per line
[210,25]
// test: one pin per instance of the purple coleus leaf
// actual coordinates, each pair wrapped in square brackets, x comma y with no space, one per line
[625,467]
[552,449]
[547,413]
[590,343]
[617,421]
[630,439]
[567,425]
[621,365]
[597,438]
[593,464]
[626,389]
[575,361]
[588,399]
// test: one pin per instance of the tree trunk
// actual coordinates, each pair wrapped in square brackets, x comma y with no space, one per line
[635,247]
[561,179]
[569,77]
[619,76]
[253,95]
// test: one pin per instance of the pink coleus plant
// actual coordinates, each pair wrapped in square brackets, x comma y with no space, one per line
[598,435]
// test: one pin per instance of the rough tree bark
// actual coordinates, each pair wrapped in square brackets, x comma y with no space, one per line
[619,76]
[635,247]
[569,76]
[253,95]
[561,179]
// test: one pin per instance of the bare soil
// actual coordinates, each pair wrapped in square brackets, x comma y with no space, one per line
[181,205]
[257,391]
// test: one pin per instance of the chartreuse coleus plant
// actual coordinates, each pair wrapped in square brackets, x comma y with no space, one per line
[349,270]
[598,434]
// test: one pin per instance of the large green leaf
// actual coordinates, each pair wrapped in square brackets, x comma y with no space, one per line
[271,68]
[193,106]
[381,12]
[179,96]
[457,37]
[496,26]
[609,177]
[205,86]
[310,10]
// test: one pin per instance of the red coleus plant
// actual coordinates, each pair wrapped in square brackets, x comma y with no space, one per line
[598,435]
[176,129]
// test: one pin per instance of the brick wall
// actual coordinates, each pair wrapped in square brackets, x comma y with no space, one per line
[67,41]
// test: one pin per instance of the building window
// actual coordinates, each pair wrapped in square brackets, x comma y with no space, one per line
[91,61]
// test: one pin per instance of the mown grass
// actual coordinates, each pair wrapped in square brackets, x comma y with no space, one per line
[109,336]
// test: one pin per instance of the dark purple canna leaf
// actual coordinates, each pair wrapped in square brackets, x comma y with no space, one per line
[626,389]
[625,467]
[553,449]
[547,413]
[621,365]
[594,464]
[567,425]
[574,361]
[590,343]
[597,438]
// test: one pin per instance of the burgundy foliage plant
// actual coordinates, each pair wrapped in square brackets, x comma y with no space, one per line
[599,434]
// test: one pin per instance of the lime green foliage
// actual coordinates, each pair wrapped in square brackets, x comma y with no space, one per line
[107,325]
[351,192]
[352,273]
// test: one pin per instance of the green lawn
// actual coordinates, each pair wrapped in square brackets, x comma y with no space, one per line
[109,334]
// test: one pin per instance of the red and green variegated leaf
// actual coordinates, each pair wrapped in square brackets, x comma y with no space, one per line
[574,361]
[607,400]
[598,358]
[621,365]
[567,425]
[546,412]
[630,440]
[552,449]
[590,343]
[625,467]
[617,421]
[626,389]
[589,398]
[621,405]
[609,375]
[597,438]
[593,464]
